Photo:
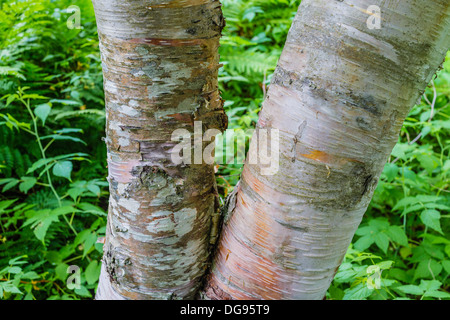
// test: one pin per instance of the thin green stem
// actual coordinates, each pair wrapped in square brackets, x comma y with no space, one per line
[43,155]
[71,218]
[70,224]
[72,259]
[43,184]
[49,144]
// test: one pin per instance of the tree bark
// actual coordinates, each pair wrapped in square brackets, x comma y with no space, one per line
[160,65]
[339,96]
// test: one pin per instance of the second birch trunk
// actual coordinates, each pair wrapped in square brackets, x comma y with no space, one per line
[338,98]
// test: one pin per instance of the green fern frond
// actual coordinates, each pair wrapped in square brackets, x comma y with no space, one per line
[6,160]
[11,71]
[42,199]
[87,112]
[250,64]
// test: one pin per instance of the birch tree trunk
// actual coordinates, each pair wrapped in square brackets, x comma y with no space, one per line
[338,97]
[160,64]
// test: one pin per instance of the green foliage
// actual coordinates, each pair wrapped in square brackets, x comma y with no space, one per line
[53,162]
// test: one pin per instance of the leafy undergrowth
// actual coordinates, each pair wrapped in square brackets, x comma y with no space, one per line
[52,159]
[54,195]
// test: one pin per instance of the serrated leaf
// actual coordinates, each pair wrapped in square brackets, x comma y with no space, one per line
[9,287]
[69,130]
[63,169]
[413,208]
[83,292]
[66,102]
[16,260]
[336,293]
[405,252]
[428,198]
[92,272]
[27,184]
[53,257]
[446,265]
[390,171]
[430,285]
[425,131]
[407,201]
[5,204]
[74,193]
[64,210]
[380,223]
[385,265]
[89,243]
[399,151]
[366,230]
[60,137]
[41,220]
[42,111]
[81,237]
[31,275]
[437,294]
[427,269]
[61,271]
[358,292]
[41,227]
[431,218]
[10,185]
[15,270]
[428,162]
[364,242]
[436,239]
[382,241]
[90,208]
[43,162]
[398,235]
[434,251]
[422,199]
[411,289]
[10,99]
[6,180]
[345,273]
[399,274]
[433,205]
[94,189]
[446,166]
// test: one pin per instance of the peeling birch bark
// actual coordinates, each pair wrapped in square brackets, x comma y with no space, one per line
[160,64]
[339,96]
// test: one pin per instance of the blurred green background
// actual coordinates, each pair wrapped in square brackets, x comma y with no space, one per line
[54,194]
